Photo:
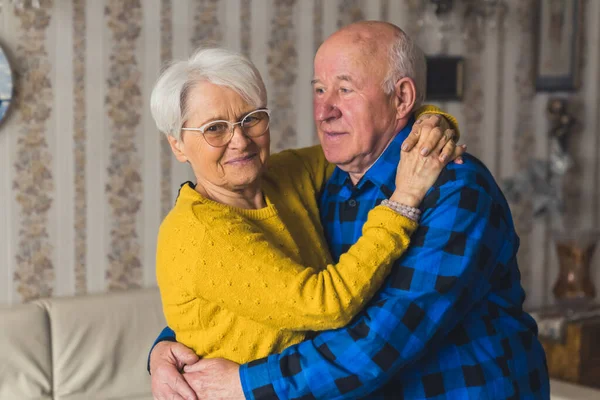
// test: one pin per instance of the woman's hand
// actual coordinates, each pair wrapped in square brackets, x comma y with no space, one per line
[166,361]
[427,132]
[416,172]
[214,379]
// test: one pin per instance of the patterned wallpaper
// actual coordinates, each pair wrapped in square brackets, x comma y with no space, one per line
[79,144]
[33,181]
[166,54]
[85,179]
[123,107]
[282,59]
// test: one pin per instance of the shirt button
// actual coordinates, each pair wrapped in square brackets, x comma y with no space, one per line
[352,203]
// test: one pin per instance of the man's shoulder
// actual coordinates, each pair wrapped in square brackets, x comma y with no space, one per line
[469,186]
[466,199]
[472,173]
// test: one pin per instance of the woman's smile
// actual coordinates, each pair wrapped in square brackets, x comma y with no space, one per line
[243,159]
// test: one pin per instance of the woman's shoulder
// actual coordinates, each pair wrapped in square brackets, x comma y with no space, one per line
[190,211]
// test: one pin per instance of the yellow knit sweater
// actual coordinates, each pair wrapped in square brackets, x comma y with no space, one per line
[242,284]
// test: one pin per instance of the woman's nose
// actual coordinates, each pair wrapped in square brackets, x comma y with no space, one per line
[239,137]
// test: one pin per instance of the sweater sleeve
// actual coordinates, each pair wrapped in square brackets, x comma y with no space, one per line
[235,266]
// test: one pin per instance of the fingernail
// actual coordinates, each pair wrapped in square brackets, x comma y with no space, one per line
[424,151]
[443,157]
[404,147]
[459,160]
[464,146]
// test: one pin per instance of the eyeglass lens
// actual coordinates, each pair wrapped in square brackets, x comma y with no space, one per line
[219,133]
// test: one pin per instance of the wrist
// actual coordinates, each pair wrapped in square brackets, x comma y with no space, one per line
[152,358]
[406,199]
[412,213]
[154,354]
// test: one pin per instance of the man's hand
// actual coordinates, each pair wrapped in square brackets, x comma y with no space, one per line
[215,379]
[166,360]
[432,132]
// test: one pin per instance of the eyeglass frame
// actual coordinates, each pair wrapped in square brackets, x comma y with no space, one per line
[232,126]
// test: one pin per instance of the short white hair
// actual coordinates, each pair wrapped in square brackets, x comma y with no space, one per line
[169,99]
[406,59]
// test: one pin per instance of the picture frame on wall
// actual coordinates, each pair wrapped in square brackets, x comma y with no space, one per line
[445,78]
[558,45]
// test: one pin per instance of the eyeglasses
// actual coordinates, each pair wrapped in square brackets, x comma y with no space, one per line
[219,133]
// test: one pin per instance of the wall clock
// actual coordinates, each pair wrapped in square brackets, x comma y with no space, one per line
[6,85]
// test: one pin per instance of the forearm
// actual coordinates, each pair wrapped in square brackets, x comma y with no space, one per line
[402,349]
[432,290]
[331,298]
[296,296]
[344,367]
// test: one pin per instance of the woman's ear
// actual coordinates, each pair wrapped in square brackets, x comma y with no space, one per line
[405,96]
[176,148]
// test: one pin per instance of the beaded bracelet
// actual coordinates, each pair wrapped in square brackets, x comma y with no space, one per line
[402,209]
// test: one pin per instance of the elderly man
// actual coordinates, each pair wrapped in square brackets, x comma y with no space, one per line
[448,322]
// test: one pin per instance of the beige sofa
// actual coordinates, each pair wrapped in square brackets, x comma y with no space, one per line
[89,347]
[95,348]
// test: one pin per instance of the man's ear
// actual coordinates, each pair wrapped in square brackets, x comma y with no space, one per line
[405,96]
[176,146]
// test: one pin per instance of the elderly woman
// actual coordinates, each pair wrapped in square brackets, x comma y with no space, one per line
[242,263]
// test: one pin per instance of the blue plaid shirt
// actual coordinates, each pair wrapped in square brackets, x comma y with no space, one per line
[448,323]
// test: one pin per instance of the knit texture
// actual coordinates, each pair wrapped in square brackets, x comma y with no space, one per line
[242,284]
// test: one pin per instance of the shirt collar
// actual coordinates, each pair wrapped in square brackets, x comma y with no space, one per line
[383,170]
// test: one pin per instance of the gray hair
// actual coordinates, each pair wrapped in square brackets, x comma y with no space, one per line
[406,59]
[221,67]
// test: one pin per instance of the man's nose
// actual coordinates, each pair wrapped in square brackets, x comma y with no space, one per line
[326,110]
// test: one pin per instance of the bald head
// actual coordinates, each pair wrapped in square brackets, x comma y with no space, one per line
[372,38]
[383,33]
[383,45]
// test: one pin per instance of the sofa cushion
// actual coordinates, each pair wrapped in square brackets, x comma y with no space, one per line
[100,344]
[25,359]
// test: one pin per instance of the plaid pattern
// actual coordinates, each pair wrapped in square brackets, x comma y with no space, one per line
[448,323]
